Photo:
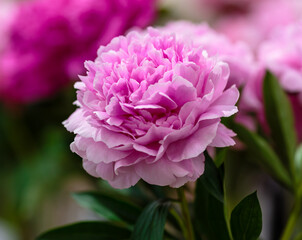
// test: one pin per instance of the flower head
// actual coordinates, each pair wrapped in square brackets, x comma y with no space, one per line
[257,23]
[148,108]
[281,54]
[48,41]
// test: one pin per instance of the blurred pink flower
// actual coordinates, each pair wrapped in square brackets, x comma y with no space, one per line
[282,55]
[50,39]
[237,55]
[261,17]
[149,107]
[6,12]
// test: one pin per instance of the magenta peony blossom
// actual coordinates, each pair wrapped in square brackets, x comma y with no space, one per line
[50,39]
[282,55]
[6,12]
[237,55]
[149,107]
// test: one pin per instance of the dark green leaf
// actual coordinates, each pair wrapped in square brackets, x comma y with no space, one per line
[209,218]
[279,116]
[109,206]
[246,219]
[87,231]
[211,179]
[151,223]
[264,154]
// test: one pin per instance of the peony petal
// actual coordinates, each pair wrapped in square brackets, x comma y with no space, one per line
[219,76]
[223,137]
[228,97]
[90,167]
[155,109]
[189,71]
[125,179]
[173,137]
[112,139]
[98,152]
[194,144]
[161,99]
[196,166]
[218,112]
[154,134]
[164,172]
[130,160]
[181,91]
[146,149]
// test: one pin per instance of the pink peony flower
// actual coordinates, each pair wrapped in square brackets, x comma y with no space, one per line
[149,107]
[282,55]
[237,55]
[49,40]
[256,24]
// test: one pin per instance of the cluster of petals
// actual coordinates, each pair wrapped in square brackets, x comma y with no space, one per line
[282,55]
[149,107]
[48,41]
[236,54]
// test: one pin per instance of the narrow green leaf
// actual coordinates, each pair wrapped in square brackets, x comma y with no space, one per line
[151,222]
[298,164]
[209,219]
[109,206]
[246,219]
[264,154]
[211,179]
[87,230]
[279,115]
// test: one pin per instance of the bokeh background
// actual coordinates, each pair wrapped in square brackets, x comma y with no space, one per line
[43,46]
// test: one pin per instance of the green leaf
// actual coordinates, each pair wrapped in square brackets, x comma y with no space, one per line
[279,115]
[211,178]
[246,219]
[109,206]
[264,154]
[298,164]
[209,218]
[87,230]
[151,222]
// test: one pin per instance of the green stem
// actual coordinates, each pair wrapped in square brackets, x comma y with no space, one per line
[189,233]
[179,220]
[226,209]
[292,221]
